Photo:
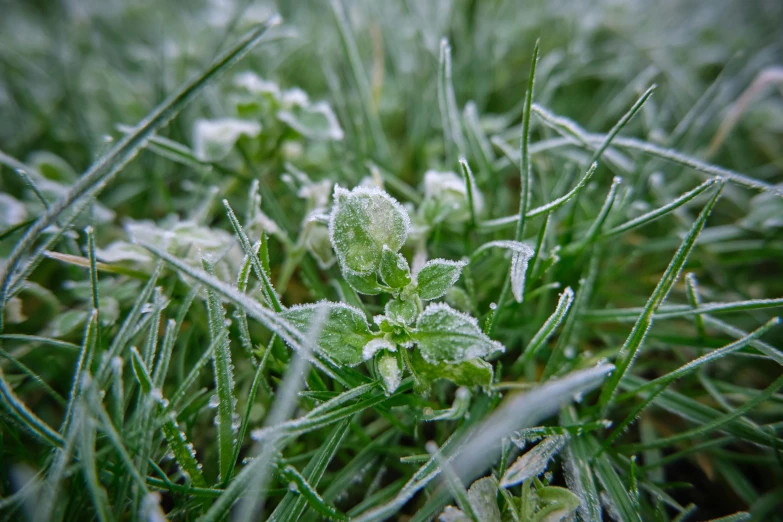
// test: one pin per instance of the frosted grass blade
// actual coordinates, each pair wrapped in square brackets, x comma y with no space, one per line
[224,379]
[633,343]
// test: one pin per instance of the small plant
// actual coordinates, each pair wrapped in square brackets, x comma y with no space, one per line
[367,229]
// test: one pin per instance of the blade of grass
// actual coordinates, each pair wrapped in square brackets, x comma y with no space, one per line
[39,382]
[493,225]
[359,77]
[254,477]
[699,413]
[579,472]
[449,114]
[609,138]
[768,350]
[100,499]
[470,185]
[224,380]
[635,339]
[309,495]
[183,451]
[269,291]
[271,320]
[651,216]
[525,172]
[718,423]
[656,386]
[454,484]
[677,311]
[546,330]
[293,506]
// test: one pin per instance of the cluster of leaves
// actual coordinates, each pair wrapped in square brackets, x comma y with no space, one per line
[393,349]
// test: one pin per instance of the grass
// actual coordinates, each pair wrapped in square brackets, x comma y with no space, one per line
[603,185]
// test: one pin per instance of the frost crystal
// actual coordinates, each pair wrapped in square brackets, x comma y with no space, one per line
[362,222]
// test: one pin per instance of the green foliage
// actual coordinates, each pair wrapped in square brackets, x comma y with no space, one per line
[456,260]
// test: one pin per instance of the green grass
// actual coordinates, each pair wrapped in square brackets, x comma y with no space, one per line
[597,189]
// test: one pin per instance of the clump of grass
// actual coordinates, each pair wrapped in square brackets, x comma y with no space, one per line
[458,272]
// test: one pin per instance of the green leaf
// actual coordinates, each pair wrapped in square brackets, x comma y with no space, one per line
[390,372]
[344,332]
[364,284]
[362,222]
[437,276]
[469,373]
[394,268]
[401,311]
[445,335]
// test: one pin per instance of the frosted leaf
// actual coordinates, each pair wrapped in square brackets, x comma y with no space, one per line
[445,335]
[214,139]
[474,372]
[534,462]
[395,271]
[446,199]
[390,373]
[12,212]
[483,498]
[344,332]
[401,311]
[362,222]
[375,345]
[437,276]
[316,121]
[452,514]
